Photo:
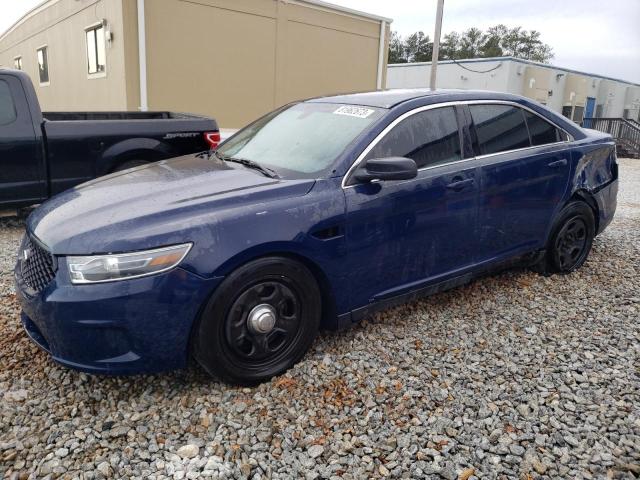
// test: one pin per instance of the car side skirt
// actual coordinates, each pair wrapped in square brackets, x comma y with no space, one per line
[351,318]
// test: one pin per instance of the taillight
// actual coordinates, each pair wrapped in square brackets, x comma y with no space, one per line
[212,139]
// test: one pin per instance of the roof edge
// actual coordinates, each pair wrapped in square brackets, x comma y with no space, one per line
[358,13]
[518,60]
[319,3]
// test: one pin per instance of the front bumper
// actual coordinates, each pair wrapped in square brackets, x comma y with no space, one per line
[125,327]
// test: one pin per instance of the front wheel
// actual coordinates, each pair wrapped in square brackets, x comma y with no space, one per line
[571,239]
[261,320]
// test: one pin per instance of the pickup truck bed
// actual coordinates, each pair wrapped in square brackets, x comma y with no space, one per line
[42,154]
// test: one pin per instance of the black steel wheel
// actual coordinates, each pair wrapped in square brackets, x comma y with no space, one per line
[261,320]
[570,243]
[571,239]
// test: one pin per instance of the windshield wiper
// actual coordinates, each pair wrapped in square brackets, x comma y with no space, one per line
[268,172]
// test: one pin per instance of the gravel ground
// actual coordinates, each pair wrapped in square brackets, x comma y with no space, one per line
[513,376]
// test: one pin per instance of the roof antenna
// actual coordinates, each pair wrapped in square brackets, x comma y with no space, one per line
[436,44]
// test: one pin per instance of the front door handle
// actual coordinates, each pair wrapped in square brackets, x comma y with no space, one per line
[558,163]
[460,184]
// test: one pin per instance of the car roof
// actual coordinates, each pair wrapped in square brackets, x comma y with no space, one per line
[393,97]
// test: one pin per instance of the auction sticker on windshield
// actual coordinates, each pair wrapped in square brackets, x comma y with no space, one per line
[359,112]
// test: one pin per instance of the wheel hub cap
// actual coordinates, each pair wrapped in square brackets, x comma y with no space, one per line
[262,319]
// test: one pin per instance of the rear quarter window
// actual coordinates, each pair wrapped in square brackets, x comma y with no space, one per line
[8,112]
[499,128]
[541,131]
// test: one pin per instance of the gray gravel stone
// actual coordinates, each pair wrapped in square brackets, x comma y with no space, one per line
[515,376]
[188,451]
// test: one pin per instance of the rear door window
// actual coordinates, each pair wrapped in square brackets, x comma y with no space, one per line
[541,131]
[7,107]
[429,138]
[499,128]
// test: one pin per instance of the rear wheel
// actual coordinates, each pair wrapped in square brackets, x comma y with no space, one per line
[261,320]
[571,239]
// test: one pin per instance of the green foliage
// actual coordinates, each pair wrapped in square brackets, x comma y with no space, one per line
[496,41]
[397,49]
[418,47]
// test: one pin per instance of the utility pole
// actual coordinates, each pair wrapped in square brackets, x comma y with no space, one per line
[436,44]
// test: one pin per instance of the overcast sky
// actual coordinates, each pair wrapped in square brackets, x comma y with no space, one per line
[596,36]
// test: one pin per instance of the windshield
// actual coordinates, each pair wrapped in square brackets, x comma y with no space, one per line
[301,141]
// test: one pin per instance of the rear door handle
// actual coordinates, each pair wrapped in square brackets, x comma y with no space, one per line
[460,184]
[558,163]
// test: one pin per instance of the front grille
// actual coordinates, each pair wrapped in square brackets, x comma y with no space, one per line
[38,265]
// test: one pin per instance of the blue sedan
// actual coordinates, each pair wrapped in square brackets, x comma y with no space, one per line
[314,216]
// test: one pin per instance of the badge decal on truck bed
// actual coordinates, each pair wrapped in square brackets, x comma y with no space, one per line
[169,136]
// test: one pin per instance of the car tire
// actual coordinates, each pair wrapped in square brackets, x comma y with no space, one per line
[129,164]
[570,240]
[259,322]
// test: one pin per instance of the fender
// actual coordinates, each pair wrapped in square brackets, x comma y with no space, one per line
[145,148]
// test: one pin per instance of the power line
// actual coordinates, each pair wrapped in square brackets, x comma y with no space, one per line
[476,71]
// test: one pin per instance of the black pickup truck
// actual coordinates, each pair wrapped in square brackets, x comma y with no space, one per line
[44,153]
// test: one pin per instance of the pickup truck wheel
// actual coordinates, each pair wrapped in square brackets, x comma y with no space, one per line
[571,239]
[260,321]
[129,164]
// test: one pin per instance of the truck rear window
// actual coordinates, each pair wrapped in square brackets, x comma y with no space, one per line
[7,107]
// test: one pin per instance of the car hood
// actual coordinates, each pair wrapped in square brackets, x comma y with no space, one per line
[153,205]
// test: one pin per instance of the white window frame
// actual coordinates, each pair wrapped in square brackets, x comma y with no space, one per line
[48,82]
[18,58]
[87,29]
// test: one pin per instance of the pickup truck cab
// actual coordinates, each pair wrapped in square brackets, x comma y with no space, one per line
[44,153]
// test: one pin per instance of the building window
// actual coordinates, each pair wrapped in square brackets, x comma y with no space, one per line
[566,111]
[43,65]
[17,63]
[96,54]
[578,113]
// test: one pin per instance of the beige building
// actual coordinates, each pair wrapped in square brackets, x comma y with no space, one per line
[230,59]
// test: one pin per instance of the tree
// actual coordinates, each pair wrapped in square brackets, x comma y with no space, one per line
[471,43]
[450,46]
[496,41]
[418,47]
[492,41]
[397,53]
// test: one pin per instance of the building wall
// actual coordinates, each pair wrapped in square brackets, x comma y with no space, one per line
[238,59]
[231,59]
[611,96]
[61,26]
[555,87]
[417,75]
[632,102]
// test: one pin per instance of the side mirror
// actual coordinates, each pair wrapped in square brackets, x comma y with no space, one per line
[391,168]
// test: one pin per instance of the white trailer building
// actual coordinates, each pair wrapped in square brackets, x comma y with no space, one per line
[575,94]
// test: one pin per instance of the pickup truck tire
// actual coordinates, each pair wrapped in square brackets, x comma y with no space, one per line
[570,241]
[129,164]
[260,321]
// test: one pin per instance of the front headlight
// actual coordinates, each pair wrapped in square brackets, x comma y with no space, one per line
[124,266]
